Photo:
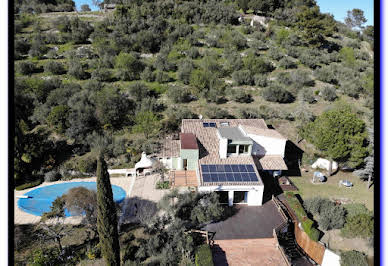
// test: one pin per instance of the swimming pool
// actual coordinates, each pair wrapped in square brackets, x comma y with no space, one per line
[40,199]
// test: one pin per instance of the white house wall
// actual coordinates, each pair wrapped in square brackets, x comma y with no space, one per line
[267,145]
[255,193]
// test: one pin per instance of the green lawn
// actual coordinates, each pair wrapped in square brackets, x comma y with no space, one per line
[330,189]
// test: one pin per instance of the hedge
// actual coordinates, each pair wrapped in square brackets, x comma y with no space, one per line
[307,224]
[29,185]
[203,256]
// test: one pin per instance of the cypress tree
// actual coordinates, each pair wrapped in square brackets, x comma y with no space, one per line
[106,216]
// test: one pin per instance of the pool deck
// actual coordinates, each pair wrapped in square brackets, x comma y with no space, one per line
[21,217]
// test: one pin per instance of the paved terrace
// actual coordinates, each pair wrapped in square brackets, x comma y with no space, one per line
[249,222]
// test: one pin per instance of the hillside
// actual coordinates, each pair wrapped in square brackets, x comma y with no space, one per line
[129,76]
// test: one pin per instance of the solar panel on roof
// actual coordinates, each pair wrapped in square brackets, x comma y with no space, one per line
[245,177]
[235,168]
[205,124]
[229,173]
[212,124]
[242,168]
[205,168]
[250,168]
[206,177]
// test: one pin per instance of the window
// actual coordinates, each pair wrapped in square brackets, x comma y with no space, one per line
[243,149]
[232,149]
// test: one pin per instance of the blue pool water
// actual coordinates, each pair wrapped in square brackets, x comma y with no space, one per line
[40,199]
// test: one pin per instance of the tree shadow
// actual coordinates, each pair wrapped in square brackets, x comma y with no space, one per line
[271,186]
[292,157]
[219,256]
[137,210]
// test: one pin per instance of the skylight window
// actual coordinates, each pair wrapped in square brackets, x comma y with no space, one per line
[224,124]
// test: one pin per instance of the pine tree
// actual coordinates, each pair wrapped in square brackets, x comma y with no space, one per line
[106,216]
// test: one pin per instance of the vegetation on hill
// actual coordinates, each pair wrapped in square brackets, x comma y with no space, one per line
[131,76]
[134,73]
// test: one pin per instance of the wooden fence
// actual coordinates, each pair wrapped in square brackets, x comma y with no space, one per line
[313,249]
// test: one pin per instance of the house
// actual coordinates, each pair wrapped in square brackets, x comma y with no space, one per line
[109,7]
[226,156]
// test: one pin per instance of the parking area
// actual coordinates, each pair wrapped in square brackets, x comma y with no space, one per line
[250,222]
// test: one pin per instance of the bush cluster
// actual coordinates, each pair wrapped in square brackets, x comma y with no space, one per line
[353,258]
[276,93]
[330,216]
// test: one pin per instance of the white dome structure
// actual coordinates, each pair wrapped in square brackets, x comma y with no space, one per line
[144,162]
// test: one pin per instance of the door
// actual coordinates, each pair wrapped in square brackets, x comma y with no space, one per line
[185,164]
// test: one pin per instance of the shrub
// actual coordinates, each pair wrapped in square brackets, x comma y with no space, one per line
[242,77]
[26,68]
[347,56]
[276,93]
[284,78]
[193,53]
[257,65]
[307,95]
[77,70]
[178,94]
[328,94]
[216,112]
[353,258]
[102,75]
[287,63]
[302,78]
[309,60]
[360,225]
[203,256]
[147,75]
[260,80]
[354,209]
[29,185]
[55,68]
[248,113]
[326,74]
[184,71]
[352,88]
[161,76]
[51,176]
[241,96]
[162,185]
[275,53]
[332,218]
[329,215]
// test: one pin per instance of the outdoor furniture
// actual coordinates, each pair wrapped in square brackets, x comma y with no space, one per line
[346,183]
[320,176]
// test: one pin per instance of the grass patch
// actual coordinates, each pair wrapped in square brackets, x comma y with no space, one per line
[162,185]
[203,256]
[307,224]
[330,189]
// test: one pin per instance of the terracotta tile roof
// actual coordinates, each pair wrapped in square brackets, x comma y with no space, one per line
[271,133]
[188,141]
[209,143]
[208,140]
[270,162]
[170,148]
